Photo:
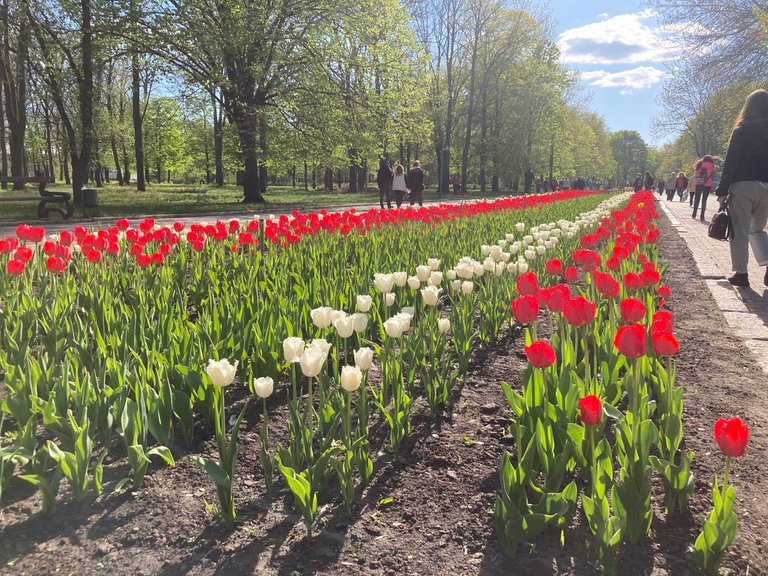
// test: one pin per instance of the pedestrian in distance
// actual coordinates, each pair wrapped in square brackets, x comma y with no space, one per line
[648,181]
[415,183]
[384,181]
[702,180]
[399,185]
[681,185]
[637,184]
[670,186]
[744,186]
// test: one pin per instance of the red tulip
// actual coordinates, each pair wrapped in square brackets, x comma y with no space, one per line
[143,260]
[607,285]
[540,354]
[664,291]
[525,309]
[632,310]
[557,296]
[662,321]
[554,267]
[571,274]
[15,267]
[631,341]
[664,343]
[650,277]
[122,224]
[579,311]
[613,263]
[731,436]
[56,264]
[93,256]
[591,410]
[527,284]
[632,281]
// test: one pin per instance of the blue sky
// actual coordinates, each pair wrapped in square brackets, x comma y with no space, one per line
[619,48]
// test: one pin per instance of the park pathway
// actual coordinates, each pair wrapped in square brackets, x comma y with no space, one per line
[745,309]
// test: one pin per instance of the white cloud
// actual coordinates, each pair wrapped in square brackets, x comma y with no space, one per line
[628,80]
[623,39]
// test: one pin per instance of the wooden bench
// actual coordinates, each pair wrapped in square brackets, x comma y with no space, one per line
[61,201]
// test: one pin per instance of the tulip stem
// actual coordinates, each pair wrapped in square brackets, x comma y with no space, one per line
[593,458]
[726,476]
[635,400]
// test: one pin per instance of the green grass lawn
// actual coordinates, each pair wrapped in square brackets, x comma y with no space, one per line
[185,199]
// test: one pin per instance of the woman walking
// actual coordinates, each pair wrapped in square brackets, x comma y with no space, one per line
[702,172]
[670,186]
[681,185]
[744,184]
[398,185]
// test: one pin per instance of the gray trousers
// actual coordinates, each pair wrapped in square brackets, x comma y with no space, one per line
[748,206]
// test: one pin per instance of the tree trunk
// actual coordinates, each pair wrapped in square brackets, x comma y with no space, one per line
[353,167]
[483,136]
[246,131]
[138,135]
[218,140]
[3,150]
[126,168]
[13,75]
[306,184]
[362,177]
[470,117]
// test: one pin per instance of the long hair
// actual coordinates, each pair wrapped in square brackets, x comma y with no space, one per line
[755,107]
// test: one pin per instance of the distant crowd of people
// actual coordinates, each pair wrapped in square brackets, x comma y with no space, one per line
[553,185]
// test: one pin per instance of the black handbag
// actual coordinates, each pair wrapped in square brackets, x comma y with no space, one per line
[720,226]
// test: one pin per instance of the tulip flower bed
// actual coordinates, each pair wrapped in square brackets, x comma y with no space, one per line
[333,374]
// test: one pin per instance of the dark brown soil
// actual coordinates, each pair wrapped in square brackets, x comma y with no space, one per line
[440,520]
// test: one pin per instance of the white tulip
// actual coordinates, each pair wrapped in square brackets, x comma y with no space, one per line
[515,248]
[527,239]
[414,283]
[431,295]
[263,386]
[292,349]
[436,278]
[345,326]
[409,310]
[351,376]
[500,267]
[467,287]
[400,278]
[312,361]
[321,344]
[321,316]
[443,325]
[450,274]
[464,270]
[495,252]
[519,226]
[364,302]
[222,373]
[510,237]
[405,320]
[455,285]
[512,267]
[485,250]
[360,322]
[433,263]
[336,314]
[530,254]
[540,250]
[505,256]
[422,273]
[393,327]
[477,269]
[363,358]
[522,267]
[389,298]
[384,282]
[489,264]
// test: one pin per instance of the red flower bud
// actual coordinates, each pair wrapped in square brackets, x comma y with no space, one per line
[662,321]
[631,341]
[540,354]
[15,266]
[591,410]
[571,274]
[664,291]
[554,267]
[731,436]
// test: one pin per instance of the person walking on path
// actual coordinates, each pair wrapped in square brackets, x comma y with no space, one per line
[670,186]
[384,180]
[637,183]
[399,186]
[681,185]
[702,179]
[744,186]
[648,181]
[416,183]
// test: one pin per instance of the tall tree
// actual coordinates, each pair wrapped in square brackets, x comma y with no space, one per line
[14,56]
[630,152]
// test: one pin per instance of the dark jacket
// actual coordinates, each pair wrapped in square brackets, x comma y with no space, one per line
[384,176]
[415,180]
[747,156]
[648,182]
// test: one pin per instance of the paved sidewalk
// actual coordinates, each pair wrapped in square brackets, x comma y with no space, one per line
[745,309]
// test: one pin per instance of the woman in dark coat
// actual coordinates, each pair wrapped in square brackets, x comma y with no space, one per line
[416,183]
